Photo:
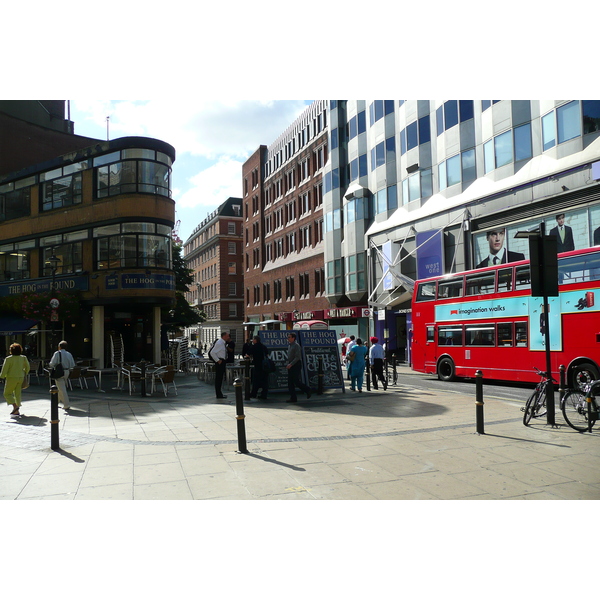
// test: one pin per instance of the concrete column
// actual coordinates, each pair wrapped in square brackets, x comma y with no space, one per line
[98,335]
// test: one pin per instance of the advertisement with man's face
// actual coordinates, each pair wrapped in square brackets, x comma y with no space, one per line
[574,230]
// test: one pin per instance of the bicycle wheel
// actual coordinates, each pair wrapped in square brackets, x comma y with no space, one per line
[529,407]
[575,410]
[539,409]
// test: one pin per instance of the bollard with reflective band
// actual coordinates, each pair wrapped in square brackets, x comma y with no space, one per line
[563,385]
[54,442]
[479,401]
[320,376]
[241,425]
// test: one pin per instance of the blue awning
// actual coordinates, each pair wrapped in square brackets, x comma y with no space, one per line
[15,325]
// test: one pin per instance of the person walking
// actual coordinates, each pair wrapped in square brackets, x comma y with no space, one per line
[357,366]
[260,378]
[14,370]
[376,357]
[349,347]
[64,357]
[294,368]
[219,354]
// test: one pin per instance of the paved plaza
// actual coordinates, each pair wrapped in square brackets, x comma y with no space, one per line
[399,444]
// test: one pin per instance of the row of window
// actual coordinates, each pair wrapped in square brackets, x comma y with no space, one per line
[286,288]
[504,335]
[116,246]
[63,187]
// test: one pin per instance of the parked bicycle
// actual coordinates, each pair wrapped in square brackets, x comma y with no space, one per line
[390,372]
[536,403]
[580,408]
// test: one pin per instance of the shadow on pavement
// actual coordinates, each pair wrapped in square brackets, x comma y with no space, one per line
[276,462]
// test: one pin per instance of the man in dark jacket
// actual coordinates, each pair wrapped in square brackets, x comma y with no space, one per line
[260,379]
[498,254]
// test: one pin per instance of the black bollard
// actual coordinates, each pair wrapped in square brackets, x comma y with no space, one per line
[479,401]
[368,370]
[54,442]
[143,377]
[562,383]
[241,425]
[320,376]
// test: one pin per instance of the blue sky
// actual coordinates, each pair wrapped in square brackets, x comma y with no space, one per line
[212,139]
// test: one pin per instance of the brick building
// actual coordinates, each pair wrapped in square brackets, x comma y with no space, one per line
[283,224]
[214,253]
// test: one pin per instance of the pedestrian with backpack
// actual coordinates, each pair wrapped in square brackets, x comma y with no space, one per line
[218,354]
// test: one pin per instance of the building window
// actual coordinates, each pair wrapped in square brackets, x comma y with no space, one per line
[231,268]
[319,281]
[591,116]
[232,289]
[233,309]
[355,272]
[231,247]
[64,247]
[318,189]
[133,245]
[418,185]
[334,276]
[357,125]
[15,260]
[378,156]
[266,292]
[131,176]
[231,228]
[289,288]
[277,297]
[568,119]
[62,191]
[14,203]
[304,282]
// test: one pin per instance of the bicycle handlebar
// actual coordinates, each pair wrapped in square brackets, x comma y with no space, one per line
[544,374]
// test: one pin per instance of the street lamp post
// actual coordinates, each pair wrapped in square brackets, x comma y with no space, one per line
[199,309]
[53,263]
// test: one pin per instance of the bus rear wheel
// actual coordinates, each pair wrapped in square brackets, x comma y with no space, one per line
[583,374]
[446,370]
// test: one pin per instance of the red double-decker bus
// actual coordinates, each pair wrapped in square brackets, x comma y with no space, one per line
[486,319]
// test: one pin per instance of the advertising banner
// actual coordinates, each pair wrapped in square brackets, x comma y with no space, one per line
[430,253]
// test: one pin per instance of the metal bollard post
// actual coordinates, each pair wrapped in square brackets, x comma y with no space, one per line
[562,384]
[239,407]
[54,442]
[368,370]
[394,365]
[320,376]
[479,401]
[246,363]
[143,377]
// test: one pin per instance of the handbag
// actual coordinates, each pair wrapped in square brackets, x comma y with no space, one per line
[351,356]
[58,371]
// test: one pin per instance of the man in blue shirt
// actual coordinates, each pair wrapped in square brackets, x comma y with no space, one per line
[376,356]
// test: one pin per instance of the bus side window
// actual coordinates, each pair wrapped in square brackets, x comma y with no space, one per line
[480,283]
[430,333]
[450,288]
[426,291]
[480,335]
[450,335]
[505,337]
[521,333]
[522,279]
[505,280]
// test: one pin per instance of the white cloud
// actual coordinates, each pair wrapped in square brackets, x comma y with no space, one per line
[213,185]
[202,128]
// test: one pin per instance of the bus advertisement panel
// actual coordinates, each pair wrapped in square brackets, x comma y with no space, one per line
[486,320]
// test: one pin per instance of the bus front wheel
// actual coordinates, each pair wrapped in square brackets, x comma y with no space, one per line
[446,370]
[583,374]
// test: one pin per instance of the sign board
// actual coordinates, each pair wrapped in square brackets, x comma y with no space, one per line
[313,344]
[321,344]
[430,253]
[277,344]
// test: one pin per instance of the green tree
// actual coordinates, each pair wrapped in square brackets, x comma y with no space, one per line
[181,314]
